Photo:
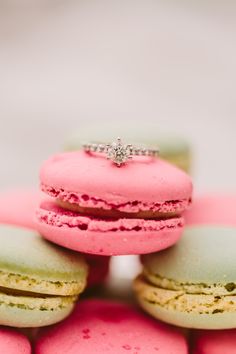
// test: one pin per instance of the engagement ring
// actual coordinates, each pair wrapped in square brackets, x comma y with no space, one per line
[118,152]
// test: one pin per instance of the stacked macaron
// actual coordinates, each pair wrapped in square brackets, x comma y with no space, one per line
[99,208]
[39,282]
[193,283]
[95,207]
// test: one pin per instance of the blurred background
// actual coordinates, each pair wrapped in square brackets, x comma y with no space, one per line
[67,63]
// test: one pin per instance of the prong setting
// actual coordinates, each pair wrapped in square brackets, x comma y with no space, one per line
[118,152]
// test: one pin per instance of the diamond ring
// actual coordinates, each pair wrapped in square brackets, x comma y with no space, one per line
[118,152]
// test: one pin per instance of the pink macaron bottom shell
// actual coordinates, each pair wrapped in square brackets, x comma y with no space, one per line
[52,214]
[101,326]
[135,206]
[215,342]
[106,236]
[13,342]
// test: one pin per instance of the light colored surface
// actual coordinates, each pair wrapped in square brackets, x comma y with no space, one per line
[66,62]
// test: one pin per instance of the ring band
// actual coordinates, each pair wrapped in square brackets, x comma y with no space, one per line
[118,152]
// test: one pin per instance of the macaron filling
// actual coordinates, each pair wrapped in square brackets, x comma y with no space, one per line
[115,213]
[76,201]
[25,283]
[52,214]
[27,293]
[185,297]
[216,289]
[39,302]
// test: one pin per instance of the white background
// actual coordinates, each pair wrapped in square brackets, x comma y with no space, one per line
[63,63]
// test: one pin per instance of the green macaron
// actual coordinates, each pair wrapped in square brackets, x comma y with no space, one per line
[39,282]
[173,147]
[193,283]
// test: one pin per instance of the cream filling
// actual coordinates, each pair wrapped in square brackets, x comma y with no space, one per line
[181,301]
[26,283]
[36,303]
[216,289]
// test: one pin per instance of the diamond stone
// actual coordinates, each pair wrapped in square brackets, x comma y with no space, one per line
[119,153]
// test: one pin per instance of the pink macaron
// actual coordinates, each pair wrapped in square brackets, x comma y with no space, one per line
[99,326]
[12,342]
[212,209]
[18,207]
[100,208]
[215,342]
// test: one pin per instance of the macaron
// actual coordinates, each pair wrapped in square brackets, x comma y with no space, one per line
[18,207]
[104,326]
[100,208]
[212,209]
[215,342]
[13,342]
[39,282]
[193,283]
[174,148]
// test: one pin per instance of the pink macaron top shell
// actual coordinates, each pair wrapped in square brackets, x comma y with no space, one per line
[212,209]
[13,342]
[99,326]
[93,181]
[215,342]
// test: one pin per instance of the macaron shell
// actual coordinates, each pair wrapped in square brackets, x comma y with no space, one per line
[204,254]
[110,327]
[182,161]
[13,342]
[26,315]
[215,342]
[111,242]
[216,321]
[212,210]
[192,284]
[24,252]
[142,179]
[18,205]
